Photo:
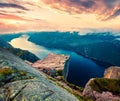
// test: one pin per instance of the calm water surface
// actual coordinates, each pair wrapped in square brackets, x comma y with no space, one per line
[81,69]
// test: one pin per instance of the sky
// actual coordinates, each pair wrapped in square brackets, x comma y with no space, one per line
[63,15]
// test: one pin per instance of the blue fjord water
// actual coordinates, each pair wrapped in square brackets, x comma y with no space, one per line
[81,69]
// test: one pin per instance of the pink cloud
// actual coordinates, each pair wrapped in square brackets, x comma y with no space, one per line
[105,9]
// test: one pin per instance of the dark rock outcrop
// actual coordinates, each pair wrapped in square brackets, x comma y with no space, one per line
[4,44]
[23,54]
[66,69]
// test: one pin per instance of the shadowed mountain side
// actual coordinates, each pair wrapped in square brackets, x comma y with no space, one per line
[102,46]
[37,89]
[9,37]
[4,44]
[23,54]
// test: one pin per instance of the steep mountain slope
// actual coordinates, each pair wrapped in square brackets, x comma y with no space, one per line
[38,88]
[103,51]
[9,37]
[4,44]
[23,54]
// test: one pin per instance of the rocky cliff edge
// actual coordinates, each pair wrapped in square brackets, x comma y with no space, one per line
[37,88]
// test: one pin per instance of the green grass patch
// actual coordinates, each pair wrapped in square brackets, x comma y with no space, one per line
[73,87]
[104,84]
[8,75]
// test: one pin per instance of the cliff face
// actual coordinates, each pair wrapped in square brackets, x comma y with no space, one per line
[35,88]
[51,64]
[52,61]
[66,69]
[104,89]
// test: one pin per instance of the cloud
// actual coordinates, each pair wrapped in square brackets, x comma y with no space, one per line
[116,13]
[12,12]
[104,9]
[15,23]
[12,5]
[5,28]
[12,17]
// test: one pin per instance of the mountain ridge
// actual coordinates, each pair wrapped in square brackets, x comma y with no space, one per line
[23,54]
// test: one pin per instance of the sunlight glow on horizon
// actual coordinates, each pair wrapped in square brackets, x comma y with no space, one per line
[49,15]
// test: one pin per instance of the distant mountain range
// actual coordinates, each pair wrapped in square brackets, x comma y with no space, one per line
[99,46]
[102,46]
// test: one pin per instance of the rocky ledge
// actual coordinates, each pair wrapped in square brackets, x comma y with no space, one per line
[51,63]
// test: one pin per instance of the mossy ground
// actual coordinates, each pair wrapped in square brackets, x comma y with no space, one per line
[104,84]
[74,91]
[9,75]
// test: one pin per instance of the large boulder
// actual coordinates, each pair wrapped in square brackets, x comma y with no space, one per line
[38,88]
[99,90]
[112,72]
[88,91]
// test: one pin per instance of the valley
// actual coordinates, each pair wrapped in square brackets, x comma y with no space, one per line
[64,67]
[90,63]
[59,50]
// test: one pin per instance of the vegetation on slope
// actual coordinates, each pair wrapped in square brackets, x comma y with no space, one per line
[4,44]
[73,89]
[9,75]
[23,54]
[104,84]
[9,37]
